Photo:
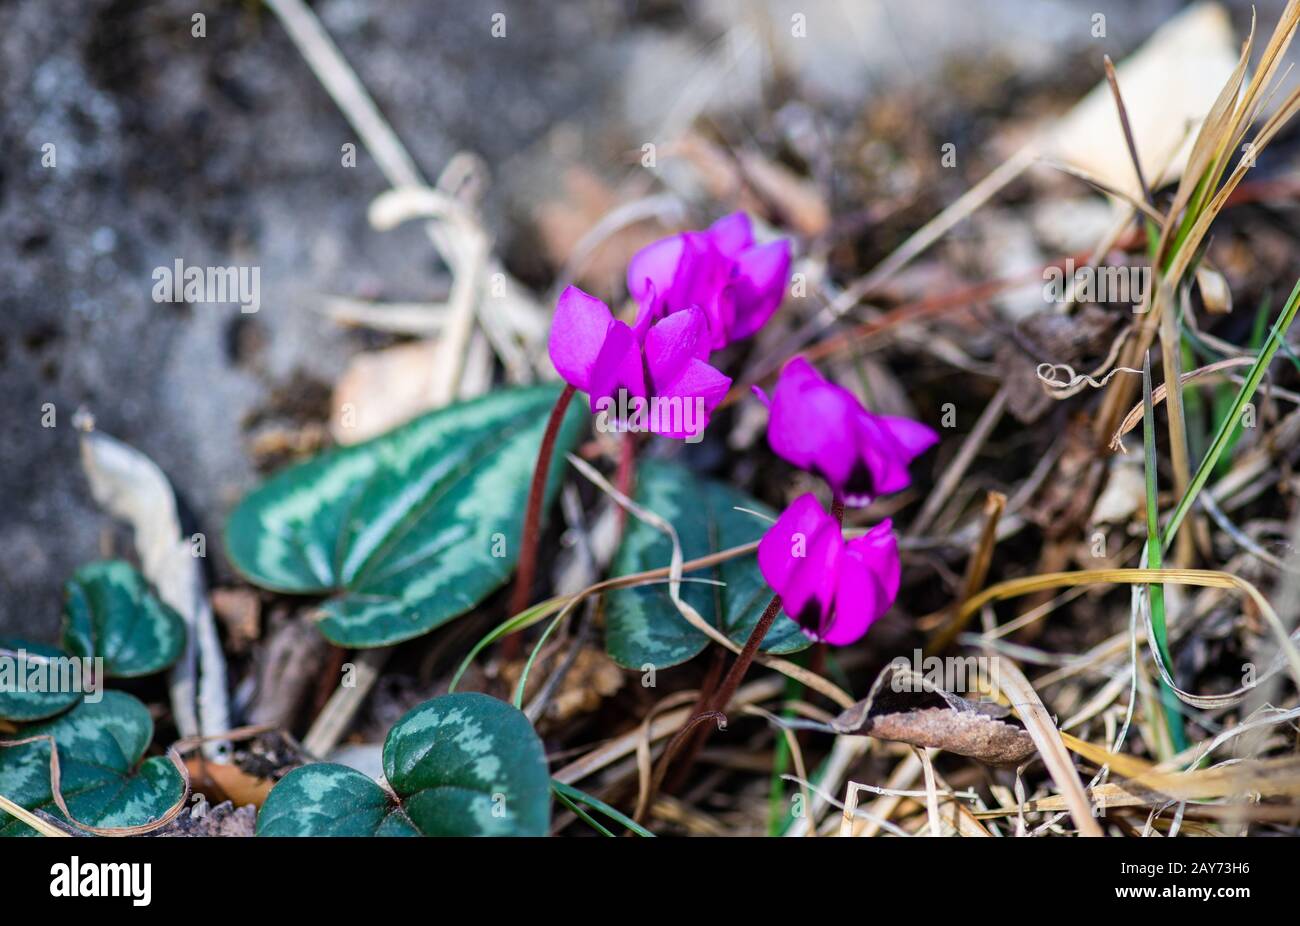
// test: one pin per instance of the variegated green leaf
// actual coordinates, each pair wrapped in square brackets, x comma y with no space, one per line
[331,800]
[33,689]
[110,612]
[102,778]
[410,529]
[643,626]
[460,765]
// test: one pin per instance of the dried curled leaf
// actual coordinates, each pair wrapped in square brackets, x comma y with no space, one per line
[905,707]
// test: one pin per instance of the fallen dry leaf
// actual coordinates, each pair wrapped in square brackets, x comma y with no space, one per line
[1168,86]
[927,716]
[219,782]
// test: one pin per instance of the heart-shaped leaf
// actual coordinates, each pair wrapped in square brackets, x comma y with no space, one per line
[460,765]
[331,800]
[102,778]
[23,668]
[643,626]
[109,611]
[410,529]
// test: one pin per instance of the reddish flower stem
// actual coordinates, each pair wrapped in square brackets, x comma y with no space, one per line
[625,476]
[727,690]
[717,704]
[708,688]
[533,514]
[690,731]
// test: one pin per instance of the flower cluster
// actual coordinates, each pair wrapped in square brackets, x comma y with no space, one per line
[697,292]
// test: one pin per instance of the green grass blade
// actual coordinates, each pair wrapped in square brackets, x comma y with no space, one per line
[521,621]
[1156,593]
[584,816]
[568,793]
[1224,432]
[532,657]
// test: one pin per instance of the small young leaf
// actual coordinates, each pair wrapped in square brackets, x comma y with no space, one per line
[21,663]
[643,626]
[459,765]
[109,611]
[102,780]
[408,530]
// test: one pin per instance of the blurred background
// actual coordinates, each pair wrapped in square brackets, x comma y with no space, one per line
[225,149]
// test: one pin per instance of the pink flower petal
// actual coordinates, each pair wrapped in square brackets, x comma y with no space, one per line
[823,428]
[914,437]
[758,285]
[809,594]
[878,547]
[577,335]
[866,586]
[684,404]
[802,517]
[653,270]
[673,342]
[811,425]
[799,557]
[732,234]
[618,367]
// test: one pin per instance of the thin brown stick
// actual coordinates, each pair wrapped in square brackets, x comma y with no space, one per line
[977,570]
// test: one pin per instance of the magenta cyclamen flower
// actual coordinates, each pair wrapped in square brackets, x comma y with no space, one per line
[823,428]
[737,283]
[652,377]
[834,589]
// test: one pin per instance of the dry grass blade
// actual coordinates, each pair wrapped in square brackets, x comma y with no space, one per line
[1128,131]
[1158,395]
[664,725]
[1170,360]
[796,754]
[1203,192]
[1047,738]
[931,793]
[1204,578]
[1148,784]
[42,826]
[644,754]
